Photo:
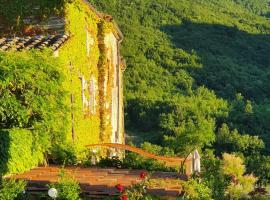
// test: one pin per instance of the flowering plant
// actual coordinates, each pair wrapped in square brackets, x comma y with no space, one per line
[120,187]
[143,175]
[136,191]
[124,197]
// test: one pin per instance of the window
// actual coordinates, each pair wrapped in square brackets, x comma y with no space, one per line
[92,91]
[88,95]
[89,42]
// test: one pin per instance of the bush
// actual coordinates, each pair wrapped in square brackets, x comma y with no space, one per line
[232,165]
[213,176]
[136,161]
[136,191]
[69,153]
[18,152]
[33,97]
[241,185]
[11,189]
[67,188]
[228,178]
[111,162]
[194,190]
[260,197]
[64,154]
[156,149]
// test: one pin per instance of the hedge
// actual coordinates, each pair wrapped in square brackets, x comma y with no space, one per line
[17,151]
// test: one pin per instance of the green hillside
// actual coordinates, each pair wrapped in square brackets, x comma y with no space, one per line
[260,7]
[196,96]
[198,72]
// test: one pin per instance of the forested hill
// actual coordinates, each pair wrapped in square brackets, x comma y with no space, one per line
[260,7]
[198,71]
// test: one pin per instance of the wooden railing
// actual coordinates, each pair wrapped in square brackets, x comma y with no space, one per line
[168,161]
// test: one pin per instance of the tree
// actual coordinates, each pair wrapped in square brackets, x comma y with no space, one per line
[32,95]
[232,141]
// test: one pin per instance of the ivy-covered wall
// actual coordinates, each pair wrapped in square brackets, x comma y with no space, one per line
[92,52]
[90,63]
[80,62]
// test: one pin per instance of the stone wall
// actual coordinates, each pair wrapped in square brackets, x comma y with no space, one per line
[112,59]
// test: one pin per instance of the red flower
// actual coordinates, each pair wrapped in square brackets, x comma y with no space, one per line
[143,175]
[124,197]
[234,179]
[120,187]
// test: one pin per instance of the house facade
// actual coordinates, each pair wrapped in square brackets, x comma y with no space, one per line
[87,43]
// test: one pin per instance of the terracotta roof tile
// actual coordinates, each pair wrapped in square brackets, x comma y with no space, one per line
[35,42]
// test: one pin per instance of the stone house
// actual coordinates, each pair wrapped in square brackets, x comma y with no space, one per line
[88,44]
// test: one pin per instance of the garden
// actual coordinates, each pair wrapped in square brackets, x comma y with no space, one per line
[197,77]
[219,179]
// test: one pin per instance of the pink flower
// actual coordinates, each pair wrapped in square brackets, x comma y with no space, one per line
[120,187]
[143,175]
[124,197]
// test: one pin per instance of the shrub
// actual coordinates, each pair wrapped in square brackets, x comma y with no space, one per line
[64,154]
[11,189]
[32,96]
[18,152]
[67,188]
[69,153]
[194,190]
[260,197]
[137,191]
[111,162]
[135,161]
[227,178]
[241,185]
[156,149]
[213,176]
[241,188]
[232,165]
[259,194]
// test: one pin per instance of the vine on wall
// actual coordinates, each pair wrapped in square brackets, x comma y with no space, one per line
[101,78]
[105,80]
[80,20]
[95,128]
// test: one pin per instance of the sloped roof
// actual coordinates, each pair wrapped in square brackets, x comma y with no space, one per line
[33,42]
[40,40]
[54,24]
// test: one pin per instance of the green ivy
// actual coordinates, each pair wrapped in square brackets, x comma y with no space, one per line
[75,63]
[18,152]
[32,97]
[101,79]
